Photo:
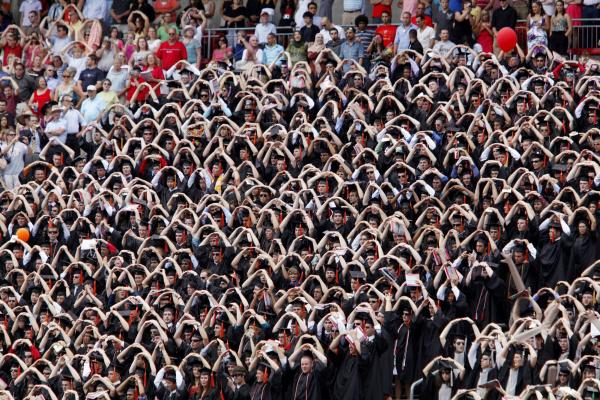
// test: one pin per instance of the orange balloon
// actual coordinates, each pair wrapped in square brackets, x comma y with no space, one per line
[23,234]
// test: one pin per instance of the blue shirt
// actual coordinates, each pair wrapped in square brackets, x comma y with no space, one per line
[351,51]
[402,41]
[271,52]
[92,108]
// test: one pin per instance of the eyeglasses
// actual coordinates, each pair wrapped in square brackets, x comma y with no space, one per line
[52,232]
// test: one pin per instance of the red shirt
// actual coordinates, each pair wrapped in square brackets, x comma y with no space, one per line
[379,8]
[17,51]
[388,33]
[133,87]
[170,54]
[426,18]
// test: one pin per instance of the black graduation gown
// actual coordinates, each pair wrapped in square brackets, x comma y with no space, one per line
[553,260]
[406,350]
[307,386]
[431,387]
[585,252]
[374,353]
[429,345]
[241,393]
[486,297]
[523,377]
[348,383]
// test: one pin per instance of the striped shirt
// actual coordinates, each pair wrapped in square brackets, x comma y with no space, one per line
[365,37]
[353,5]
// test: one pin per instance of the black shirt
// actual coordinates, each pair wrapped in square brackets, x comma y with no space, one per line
[504,18]
[90,76]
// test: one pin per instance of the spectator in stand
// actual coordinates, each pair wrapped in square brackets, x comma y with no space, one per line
[312,8]
[386,29]
[379,6]
[421,7]
[352,9]
[61,39]
[301,7]
[364,34]
[222,52]
[335,43]
[443,17]
[10,45]
[120,10]
[117,75]
[409,6]
[538,23]
[297,48]
[444,45]
[171,51]
[234,14]
[503,17]
[272,50]
[287,10]
[351,49]
[93,9]
[561,27]
[327,27]
[309,30]
[425,34]
[26,7]
[462,33]
[192,46]
[401,41]
[166,23]
[41,95]
[484,33]
[144,7]
[25,82]
[162,7]
[264,27]
[92,106]
[91,75]
[14,151]
[413,42]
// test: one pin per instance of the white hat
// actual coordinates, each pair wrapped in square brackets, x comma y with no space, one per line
[91,87]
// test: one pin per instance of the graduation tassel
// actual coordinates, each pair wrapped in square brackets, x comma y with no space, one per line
[337,276]
[222,331]
[212,380]
[94,287]
[266,376]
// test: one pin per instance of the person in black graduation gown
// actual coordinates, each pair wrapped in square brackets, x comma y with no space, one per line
[442,379]
[482,371]
[166,387]
[406,336]
[516,372]
[585,250]
[374,348]
[268,382]
[486,290]
[347,356]
[237,389]
[554,254]
[307,381]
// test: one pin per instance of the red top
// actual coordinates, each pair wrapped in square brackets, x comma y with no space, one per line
[170,54]
[427,19]
[134,83]
[380,8]
[41,100]
[388,33]
[157,73]
[17,51]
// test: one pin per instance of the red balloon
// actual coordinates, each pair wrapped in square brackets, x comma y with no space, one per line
[507,39]
[23,234]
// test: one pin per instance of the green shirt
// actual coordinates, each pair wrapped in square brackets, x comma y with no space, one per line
[162,31]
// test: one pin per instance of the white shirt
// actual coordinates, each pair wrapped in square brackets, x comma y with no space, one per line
[92,108]
[353,5]
[511,385]
[483,378]
[425,36]
[59,43]
[94,9]
[77,63]
[327,35]
[262,31]
[74,121]
[15,158]
[445,392]
[301,8]
[54,125]
[443,47]
[28,6]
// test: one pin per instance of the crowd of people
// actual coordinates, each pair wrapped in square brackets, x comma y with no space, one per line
[367,214]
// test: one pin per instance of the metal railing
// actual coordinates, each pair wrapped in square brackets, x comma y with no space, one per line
[585,36]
